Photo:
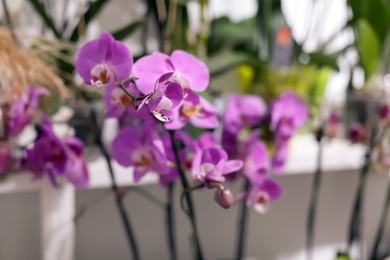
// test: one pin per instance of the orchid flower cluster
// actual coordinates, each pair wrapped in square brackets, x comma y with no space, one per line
[158,96]
[46,154]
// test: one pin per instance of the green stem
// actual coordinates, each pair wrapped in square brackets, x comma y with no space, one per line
[356,216]
[381,226]
[243,225]
[118,197]
[171,221]
[191,210]
[314,199]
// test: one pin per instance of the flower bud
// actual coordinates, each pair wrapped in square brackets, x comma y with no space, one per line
[224,198]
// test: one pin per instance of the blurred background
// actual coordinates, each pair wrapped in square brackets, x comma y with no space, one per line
[325,50]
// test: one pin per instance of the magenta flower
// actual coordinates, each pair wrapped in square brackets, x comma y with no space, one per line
[280,156]
[332,124]
[211,164]
[262,193]
[357,133]
[76,169]
[243,111]
[230,143]
[288,113]
[118,102]
[254,154]
[201,114]
[144,151]
[104,60]
[50,156]
[190,72]
[167,95]
[23,109]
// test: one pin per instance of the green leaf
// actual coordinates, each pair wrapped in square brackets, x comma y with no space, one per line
[224,29]
[323,59]
[376,12]
[184,2]
[126,30]
[39,7]
[225,60]
[317,89]
[92,11]
[368,46]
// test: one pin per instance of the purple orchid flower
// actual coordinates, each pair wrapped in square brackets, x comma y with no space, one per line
[104,60]
[211,164]
[190,72]
[167,95]
[48,154]
[254,154]
[230,142]
[280,156]
[262,193]
[173,172]
[357,133]
[144,151]
[23,109]
[201,114]
[119,104]
[76,169]
[288,113]
[243,111]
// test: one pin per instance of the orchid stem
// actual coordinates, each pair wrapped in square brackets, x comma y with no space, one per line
[171,221]
[311,217]
[243,225]
[382,224]
[182,196]
[356,216]
[118,197]
[191,210]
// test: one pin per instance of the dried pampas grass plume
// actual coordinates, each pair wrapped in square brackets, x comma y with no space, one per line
[21,67]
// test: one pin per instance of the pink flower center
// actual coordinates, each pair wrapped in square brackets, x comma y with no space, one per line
[100,75]
[261,202]
[192,111]
[118,97]
[143,157]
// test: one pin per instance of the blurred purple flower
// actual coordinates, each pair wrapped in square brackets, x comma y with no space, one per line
[117,101]
[76,169]
[104,60]
[189,71]
[262,193]
[357,133]
[200,113]
[288,113]
[230,142]
[254,154]
[243,111]
[140,148]
[280,156]
[49,155]
[22,111]
[384,112]
[211,164]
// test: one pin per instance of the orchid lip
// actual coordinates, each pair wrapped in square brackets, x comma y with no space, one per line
[100,75]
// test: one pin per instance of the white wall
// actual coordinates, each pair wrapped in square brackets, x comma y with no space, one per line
[276,235]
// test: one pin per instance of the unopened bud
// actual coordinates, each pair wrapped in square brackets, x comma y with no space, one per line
[224,198]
